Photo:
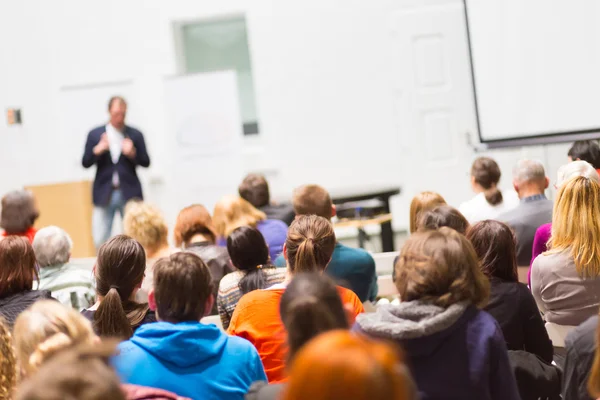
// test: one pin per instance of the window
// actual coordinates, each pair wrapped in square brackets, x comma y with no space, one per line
[218,45]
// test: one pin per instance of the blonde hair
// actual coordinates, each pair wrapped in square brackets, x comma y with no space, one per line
[576,224]
[422,202]
[231,212]
[310,243]
[44,329]
[146,224]
[7,363]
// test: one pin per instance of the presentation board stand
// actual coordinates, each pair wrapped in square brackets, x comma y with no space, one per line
[69,206]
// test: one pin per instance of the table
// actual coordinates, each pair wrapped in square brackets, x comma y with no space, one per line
[381,193]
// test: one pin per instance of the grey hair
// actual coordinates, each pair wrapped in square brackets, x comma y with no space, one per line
[574,169]
[529,171]
[52,246]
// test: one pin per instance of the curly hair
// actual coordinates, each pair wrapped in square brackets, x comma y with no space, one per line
[7,363]
[19,211]
[146,224]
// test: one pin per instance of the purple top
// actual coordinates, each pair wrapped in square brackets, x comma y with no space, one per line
[540,245]
[274,231]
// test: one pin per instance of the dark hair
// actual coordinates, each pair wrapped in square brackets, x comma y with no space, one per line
[249,252]
[19,211]
[310,243]
[444,216]
[487,174]
[116,98]
[309,306]
[586,150]
[182,286]
[119,269]
[494,243]
[255,190]
[17,265]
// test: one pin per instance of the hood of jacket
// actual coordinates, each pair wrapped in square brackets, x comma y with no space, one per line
[421,327]
[184,344]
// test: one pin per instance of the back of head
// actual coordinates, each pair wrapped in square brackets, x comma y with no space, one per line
[586,150]
[494,243]
[119,270]
[52,246]
[255,190]
[486,173]
[576,224]
[310,243]
[249,252]
[231,212]
[529,171]
[19,211]
[82,373]
[422,202]
[17,265]
[312,200]
[309,306]
[443,216]
[340,365]
[574,169]
[46,328]
[440,267]
[8,366]
[193,220]
[182,287]
[146,224]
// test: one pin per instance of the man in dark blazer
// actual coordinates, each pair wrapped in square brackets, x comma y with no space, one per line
[116,149]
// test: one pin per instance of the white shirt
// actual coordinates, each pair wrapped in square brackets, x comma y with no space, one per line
[478,209]
[115,144]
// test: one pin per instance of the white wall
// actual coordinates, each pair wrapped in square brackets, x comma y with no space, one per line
[337,87]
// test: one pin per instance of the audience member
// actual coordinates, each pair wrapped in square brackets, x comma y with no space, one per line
[255,190]
[443,216]
[71,284]
[194,232]
[534,209]
[489,201]
[581,345]
[18,270]
[179,353]
[308,248]
[43,330]
[231,212]
[454,349]
[594,379]
[586,150]
[351,268]
[119,272]
[511,302]
[566,172]
[8,364]
[354,368]
[422,202]
[146,224]
[18,214]
[250,255]
[564,280]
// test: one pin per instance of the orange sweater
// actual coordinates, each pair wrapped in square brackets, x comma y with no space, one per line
[256,319]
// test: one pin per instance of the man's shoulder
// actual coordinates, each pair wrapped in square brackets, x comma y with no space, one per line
[97,131]
[352,254]
[131,131]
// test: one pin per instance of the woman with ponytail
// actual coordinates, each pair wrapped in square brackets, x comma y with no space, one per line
[308,248]
[490,201]
[119,272]
[250,255]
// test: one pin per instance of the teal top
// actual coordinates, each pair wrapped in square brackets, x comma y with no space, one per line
[351,268]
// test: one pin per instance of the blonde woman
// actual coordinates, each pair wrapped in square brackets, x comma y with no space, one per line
[44,329]
[422,202]
[231,212]
[7,363]
[565,280]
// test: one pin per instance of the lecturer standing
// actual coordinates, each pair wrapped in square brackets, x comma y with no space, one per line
[116,149]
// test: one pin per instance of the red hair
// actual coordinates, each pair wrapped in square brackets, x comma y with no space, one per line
[341,365]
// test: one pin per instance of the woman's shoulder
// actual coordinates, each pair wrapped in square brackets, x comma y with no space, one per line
[553,259]
[231,280]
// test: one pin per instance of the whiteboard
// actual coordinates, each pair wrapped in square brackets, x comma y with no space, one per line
[82,109]
[204,139]
[535,67]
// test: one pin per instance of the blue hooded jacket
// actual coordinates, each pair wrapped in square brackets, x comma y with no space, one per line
[190,359]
